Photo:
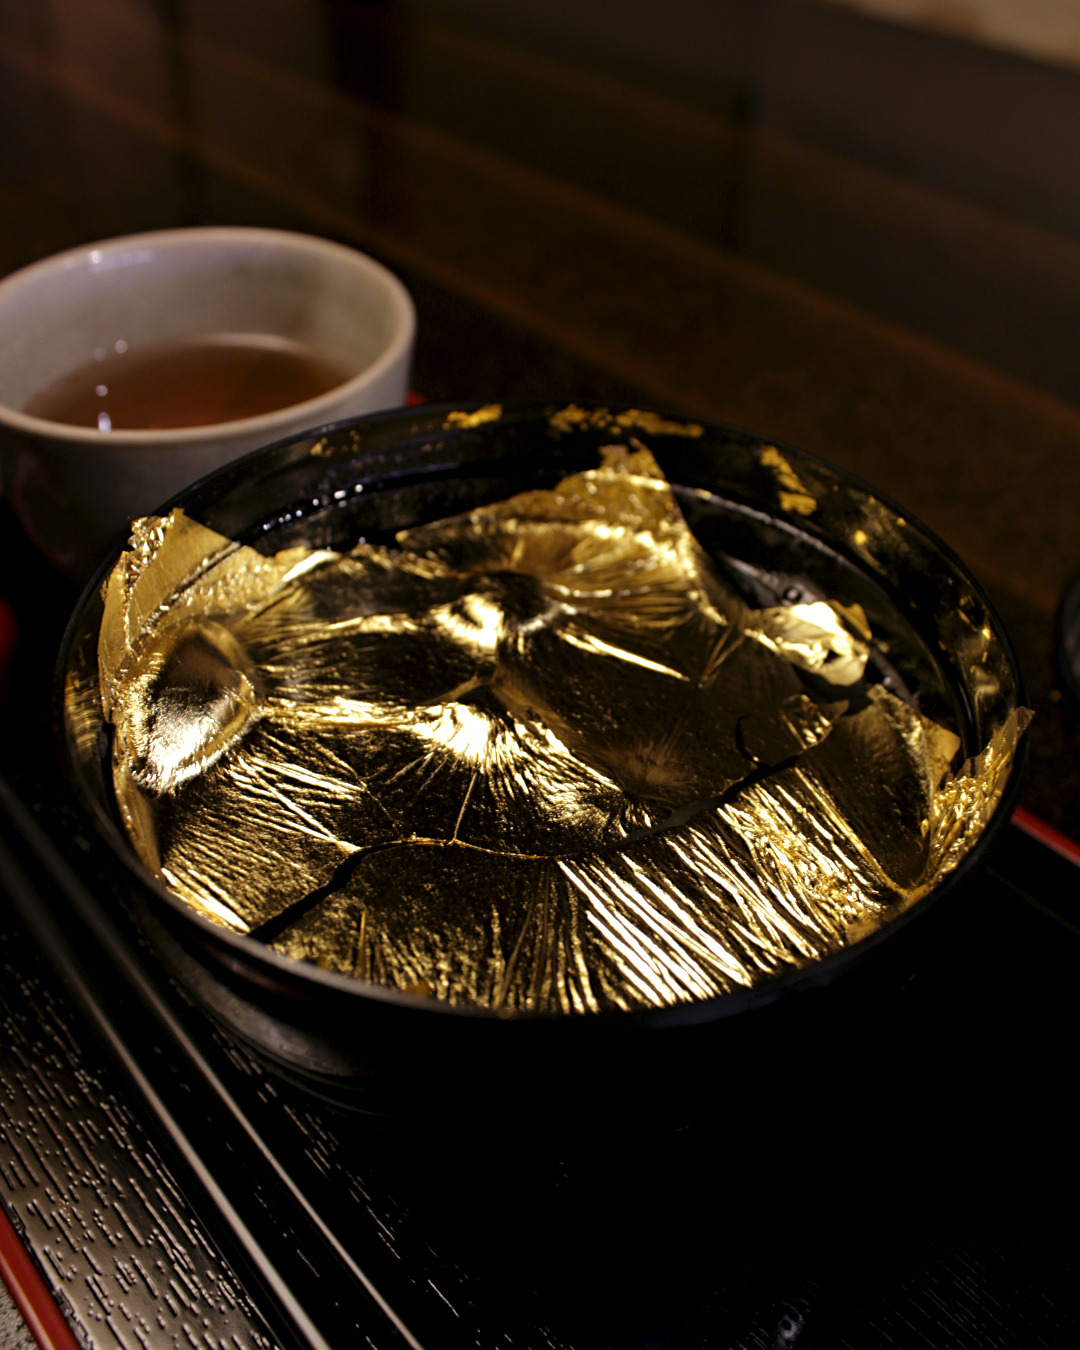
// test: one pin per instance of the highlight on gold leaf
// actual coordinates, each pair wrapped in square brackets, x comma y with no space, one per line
[818,638]
[541,757]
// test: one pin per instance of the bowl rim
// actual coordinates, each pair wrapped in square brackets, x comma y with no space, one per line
[241,951]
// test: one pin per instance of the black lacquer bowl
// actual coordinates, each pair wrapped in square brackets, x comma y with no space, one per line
[372,1046]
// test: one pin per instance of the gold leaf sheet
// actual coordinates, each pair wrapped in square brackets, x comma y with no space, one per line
[540,757]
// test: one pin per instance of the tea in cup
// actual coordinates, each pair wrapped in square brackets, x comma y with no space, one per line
[132,367]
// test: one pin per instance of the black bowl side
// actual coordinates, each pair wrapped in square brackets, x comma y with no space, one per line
[375,475]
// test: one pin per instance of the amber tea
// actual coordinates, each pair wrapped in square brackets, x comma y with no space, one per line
[195,382]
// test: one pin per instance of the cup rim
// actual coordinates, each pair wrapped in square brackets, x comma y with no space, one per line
[276,422]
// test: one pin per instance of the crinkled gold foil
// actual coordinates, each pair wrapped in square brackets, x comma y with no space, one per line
[540,757]
[572,418]
[790,490]
[491,412]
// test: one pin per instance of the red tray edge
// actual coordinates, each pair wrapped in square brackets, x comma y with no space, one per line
[31,1294]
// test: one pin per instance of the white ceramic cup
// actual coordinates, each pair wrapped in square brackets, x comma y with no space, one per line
[76,489]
